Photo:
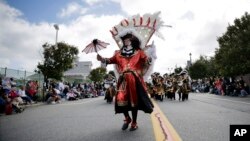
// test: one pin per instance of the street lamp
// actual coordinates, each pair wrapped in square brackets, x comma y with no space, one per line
[57,28]
[190,59]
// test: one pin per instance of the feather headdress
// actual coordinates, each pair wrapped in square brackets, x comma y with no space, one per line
[142,27]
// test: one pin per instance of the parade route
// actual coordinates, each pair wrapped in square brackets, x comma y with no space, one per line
[203,117]
[163,129]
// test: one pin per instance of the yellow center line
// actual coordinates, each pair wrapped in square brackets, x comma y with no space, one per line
[163,129]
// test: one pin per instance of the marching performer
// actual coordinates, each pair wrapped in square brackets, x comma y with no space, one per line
[132,63]
[184,84]
[160,88]
[109,84]
[170,89]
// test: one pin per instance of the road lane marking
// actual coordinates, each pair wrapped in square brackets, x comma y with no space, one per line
[163,129]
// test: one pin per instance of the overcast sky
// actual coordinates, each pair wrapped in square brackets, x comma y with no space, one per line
[27,24]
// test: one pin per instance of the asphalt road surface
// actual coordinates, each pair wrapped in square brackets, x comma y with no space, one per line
[204,117]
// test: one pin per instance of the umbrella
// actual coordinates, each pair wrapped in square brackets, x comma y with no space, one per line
[95,46]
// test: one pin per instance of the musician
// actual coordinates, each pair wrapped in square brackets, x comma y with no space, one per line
[109,84]
[160,88]
[184,85]
[132,95]
[170,89]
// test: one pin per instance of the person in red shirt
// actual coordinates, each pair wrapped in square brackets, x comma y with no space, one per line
[15,100]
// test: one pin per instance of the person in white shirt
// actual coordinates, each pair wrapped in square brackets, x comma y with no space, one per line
[22,94]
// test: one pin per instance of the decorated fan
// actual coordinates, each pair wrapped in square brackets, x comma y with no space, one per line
[95,46]
[143,27]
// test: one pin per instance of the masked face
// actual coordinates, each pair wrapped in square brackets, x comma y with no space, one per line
[127,42]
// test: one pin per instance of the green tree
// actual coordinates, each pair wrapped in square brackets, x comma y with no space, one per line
[98,74]
[57,59]
[232,57]
[212,69]
[199,68]
[203,67]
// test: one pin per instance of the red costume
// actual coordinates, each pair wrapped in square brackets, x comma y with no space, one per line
[132,36]
[131,82]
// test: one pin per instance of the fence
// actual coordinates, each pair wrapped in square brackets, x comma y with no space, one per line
[21,77]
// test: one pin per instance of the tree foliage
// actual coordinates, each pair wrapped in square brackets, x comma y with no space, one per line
[199,68]
[57,60]
[233,56]
[203,67]
[98,74]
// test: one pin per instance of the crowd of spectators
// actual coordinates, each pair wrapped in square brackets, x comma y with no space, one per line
[58,91]
[14,97]
[222,86]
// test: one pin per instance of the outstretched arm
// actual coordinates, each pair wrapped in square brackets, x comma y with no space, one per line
[111,60]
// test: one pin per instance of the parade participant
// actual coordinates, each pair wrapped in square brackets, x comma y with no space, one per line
[132,95]
[170,89]
[184,84]
[109,84]
[133,62]
[160,88]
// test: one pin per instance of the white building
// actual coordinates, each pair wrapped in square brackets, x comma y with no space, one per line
[79,72]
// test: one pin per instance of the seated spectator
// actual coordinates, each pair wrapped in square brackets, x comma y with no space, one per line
[65,90]
[59,93]
[243,91]
[61,86]
[12,82]
[31,90]
[15,100]
[77,93]
[237,89]
[54,97]
[22,94]
[71,95]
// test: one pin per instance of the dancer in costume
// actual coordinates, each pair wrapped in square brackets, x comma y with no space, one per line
[132,95]
[132,63]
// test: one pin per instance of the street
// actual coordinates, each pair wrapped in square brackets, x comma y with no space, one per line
[206,117]
[203,117]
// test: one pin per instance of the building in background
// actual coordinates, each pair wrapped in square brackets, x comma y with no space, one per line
[79,73]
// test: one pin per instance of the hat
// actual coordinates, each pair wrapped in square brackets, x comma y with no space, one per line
[183,72]
[142,27]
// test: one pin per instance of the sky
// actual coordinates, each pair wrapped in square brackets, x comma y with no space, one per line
[196,24]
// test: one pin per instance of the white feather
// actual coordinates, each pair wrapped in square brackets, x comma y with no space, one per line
[150,52]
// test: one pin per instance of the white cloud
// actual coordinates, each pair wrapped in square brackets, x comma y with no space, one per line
[71,9]
[20,41]
[92,2]
[196,25]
